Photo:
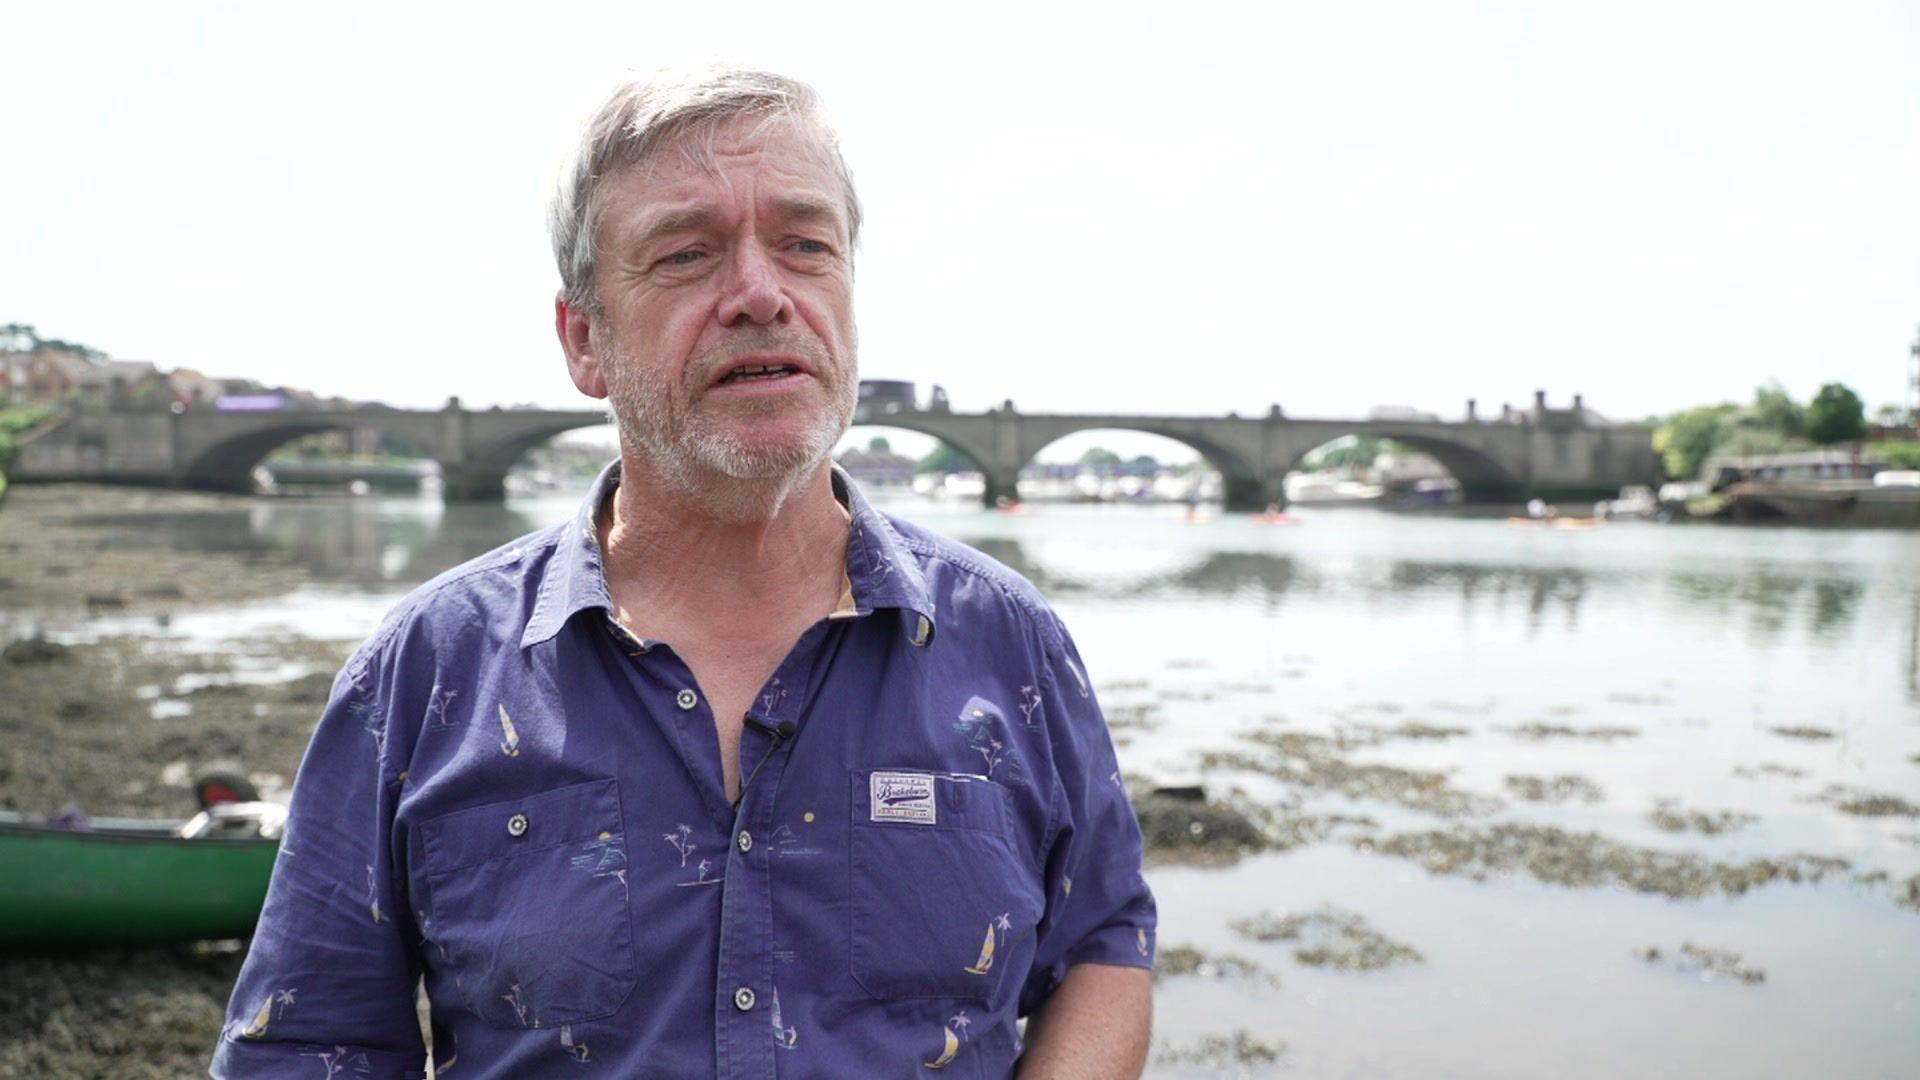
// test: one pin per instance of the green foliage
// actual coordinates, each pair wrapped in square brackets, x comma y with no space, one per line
[1774,409]
[19,418]
[1755,440]
[879,445]
[1347,452]
[1687,438]
[1900,455]
[15,420]
[944,459]
[1099,456]
[1836,415]
[1144,461]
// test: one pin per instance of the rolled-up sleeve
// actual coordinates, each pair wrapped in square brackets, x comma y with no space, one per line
[1099,908]
[330,976]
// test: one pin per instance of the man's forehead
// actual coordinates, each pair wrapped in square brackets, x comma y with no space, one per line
[699,173]
[776,146]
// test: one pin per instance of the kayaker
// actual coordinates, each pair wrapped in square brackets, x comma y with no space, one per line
[731,774]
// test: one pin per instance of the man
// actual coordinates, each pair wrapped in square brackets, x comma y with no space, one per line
[731,775]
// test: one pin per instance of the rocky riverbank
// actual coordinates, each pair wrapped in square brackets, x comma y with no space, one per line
[101,709]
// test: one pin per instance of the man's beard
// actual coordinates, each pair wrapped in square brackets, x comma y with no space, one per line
[691,450]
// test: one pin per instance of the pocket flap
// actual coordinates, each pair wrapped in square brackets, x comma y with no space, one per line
[529,823]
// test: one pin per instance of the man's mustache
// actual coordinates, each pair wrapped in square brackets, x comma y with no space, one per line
[710,365]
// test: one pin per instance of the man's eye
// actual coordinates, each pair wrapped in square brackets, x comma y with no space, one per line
[810,247]
[684,258]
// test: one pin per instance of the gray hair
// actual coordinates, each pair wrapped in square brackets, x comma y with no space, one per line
[643,114]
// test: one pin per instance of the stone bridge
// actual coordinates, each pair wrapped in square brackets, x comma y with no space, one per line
[212,450]
[1545,452]
[1548,452]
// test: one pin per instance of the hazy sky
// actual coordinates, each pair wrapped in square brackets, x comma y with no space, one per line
[1182,208]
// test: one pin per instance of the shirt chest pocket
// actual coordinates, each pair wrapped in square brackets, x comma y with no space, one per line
[527,906]
[942,904]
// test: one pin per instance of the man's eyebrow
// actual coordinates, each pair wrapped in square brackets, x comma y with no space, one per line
[675,221]
[804,208]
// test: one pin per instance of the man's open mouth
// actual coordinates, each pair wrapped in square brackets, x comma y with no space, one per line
[756,372]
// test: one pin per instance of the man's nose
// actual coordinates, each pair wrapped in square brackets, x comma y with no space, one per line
[754,291]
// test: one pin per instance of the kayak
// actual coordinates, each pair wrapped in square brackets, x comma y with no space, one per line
[136,880]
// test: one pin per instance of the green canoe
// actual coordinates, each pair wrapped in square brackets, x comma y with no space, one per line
[129,880]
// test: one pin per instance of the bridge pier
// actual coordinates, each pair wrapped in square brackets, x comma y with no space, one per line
[1247,494]
[472,485]
[1001,487]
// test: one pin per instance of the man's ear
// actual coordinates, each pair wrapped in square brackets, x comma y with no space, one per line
[575,328]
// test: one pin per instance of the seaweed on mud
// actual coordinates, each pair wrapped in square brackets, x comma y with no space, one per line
[1318,763]
[1768,769]
[1907,893]
[33,650]
[1667,815]
[1176,960]
[1637,699]
[1190,830]
[1564,788]
[1866,803]
[1538,732]
[1143,717]
[1221,1052]
[1802,731]
[1354,736]
[139,1013]
[1178,827]
[1584,860]
[1332,938]
[1708,963]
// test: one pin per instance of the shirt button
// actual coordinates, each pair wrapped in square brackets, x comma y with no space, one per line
[517,825]
[746,841]
[686,699]
[743,999]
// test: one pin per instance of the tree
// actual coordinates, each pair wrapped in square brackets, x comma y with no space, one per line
[1686,439]
[1900,455]
[1774,409]
[1836,415]
[944,459]
[1144,461]
[879,445]
[1347,452]
[1099,457]
[1890,415]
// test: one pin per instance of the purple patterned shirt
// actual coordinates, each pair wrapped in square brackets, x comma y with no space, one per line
[513,798]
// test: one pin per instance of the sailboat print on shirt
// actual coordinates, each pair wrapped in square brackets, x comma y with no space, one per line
[784,1037]
[509,746]
[996,928]
[955,1031]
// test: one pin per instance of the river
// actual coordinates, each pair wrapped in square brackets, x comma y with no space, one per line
[1525,757]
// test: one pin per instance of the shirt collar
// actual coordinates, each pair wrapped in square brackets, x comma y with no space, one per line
[881,571]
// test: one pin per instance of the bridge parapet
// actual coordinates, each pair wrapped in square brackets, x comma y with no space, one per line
[1492,459]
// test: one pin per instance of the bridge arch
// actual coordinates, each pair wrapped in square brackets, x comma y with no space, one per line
[228,465]
[968,440]
[1482,476]
[1244,486]
[474,450]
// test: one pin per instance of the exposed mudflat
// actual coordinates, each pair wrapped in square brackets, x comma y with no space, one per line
[119,723]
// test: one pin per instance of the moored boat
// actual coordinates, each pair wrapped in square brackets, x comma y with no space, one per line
[78,881]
